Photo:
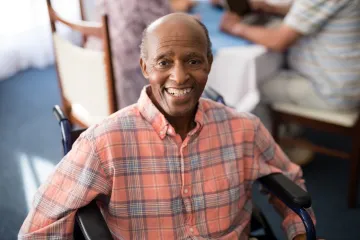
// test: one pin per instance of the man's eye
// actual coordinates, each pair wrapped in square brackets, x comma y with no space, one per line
[194,61]
[163,63]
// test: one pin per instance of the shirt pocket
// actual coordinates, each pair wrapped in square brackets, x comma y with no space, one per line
[222,200]
[222,192]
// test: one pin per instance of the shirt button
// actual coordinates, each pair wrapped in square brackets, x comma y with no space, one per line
[191,230]
[185,190]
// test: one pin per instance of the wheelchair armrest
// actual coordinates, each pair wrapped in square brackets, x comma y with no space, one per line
[286,190]
[92,223]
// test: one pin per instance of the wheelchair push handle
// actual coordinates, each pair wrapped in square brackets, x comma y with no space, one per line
[65,127]
[60,116]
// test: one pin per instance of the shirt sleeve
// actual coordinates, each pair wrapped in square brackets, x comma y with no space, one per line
[271,159]
[78,179]
[307,16]
[152,10]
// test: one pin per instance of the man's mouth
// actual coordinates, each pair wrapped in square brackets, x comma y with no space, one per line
[176,92]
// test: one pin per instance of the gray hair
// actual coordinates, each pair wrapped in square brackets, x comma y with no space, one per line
[143,47]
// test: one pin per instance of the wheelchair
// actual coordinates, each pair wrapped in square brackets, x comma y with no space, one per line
[90,224]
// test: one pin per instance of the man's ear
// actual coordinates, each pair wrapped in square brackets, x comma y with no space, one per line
[143,68]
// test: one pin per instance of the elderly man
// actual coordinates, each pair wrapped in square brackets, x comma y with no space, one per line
[172,166]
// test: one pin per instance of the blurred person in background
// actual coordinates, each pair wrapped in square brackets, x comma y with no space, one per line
[323,53]
[321,40]
[127,21]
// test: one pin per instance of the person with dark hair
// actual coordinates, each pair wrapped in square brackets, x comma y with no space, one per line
[171,166]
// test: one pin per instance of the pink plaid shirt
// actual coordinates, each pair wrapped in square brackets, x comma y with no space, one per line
[153,185]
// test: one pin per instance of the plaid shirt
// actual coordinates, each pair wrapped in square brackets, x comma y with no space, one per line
[152,185]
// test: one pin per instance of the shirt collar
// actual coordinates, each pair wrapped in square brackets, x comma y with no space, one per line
[158,121]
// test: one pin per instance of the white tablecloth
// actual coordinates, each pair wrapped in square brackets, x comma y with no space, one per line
[237,71]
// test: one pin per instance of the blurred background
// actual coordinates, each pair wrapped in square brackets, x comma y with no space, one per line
[30,143]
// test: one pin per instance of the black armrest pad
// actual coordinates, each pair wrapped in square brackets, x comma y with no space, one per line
[286,190]
[92,223]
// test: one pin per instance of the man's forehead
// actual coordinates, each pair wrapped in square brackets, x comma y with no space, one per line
[165,45]
[176,35]
[183,39]
[176,32]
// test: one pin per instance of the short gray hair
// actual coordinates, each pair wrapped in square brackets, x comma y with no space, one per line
[143,47]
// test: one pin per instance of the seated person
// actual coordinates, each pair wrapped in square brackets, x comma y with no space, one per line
[323,53]
[159,167]
[323,56]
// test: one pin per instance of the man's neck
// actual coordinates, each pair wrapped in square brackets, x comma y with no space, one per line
[182,125]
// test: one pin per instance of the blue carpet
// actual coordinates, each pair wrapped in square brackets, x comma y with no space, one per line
[30,147]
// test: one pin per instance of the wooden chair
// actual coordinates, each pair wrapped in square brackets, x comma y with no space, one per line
[347,124]
[87,13]
[85,76]
[87,10]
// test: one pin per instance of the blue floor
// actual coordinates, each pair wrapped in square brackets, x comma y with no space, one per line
[30,147]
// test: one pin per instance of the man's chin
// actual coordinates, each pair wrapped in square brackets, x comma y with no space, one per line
[180,112]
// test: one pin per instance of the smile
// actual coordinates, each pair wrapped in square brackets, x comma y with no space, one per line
[178,92]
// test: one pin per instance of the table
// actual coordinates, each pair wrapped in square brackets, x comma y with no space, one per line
[239,65]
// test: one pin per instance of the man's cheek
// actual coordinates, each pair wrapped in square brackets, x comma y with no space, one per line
[158,78]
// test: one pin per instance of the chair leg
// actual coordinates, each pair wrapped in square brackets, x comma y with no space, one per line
[354,172]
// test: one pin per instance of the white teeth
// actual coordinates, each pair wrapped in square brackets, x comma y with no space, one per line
[178,92]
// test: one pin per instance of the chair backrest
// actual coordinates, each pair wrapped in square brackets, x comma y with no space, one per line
[87,13]
[85,76]
[87,10]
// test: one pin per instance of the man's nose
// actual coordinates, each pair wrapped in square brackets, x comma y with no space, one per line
[179,74]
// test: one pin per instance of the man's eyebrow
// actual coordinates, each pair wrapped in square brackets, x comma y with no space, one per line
[194,54]
[164,54]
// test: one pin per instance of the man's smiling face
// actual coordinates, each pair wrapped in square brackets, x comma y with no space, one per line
[177,65]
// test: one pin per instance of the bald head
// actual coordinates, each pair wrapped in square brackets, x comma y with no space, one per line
[171,22]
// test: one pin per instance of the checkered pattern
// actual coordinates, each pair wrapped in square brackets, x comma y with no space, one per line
[157,186]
